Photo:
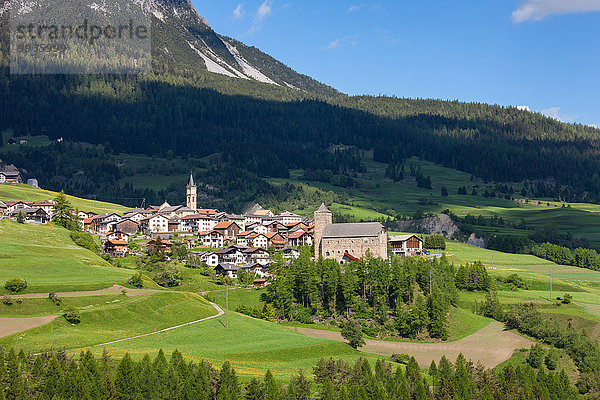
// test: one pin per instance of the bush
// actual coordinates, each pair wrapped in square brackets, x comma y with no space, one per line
[167,276]
[15,285]
[72,315]
[516,281]
[400,358]
[435,242]
[303,315]
[55,299]
[567,298]
[7,300]
[85,240]
[136,280]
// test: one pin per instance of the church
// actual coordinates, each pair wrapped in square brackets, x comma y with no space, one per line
[346,242]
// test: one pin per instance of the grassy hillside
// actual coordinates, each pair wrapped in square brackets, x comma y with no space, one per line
[49,260]
[30,193]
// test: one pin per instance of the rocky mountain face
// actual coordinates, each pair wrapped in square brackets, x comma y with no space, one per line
[183,42]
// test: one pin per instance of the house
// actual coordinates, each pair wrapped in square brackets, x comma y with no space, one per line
[242,238]
[256,255]
[226,269]
[260,282]
[258,240]
[165,244]
[118,236]
[33,182]
[175,225]
[333,241]
[212,239]
[276,227]
[127,225]
[209,258]
[289,217]
[155,224]
[87,224]
[46,205]
[101,224]
[116,248]
[290,253]
[137,214]
[3,208]
[257,227]
[13,205]
[32,215]
[176,211]
[10,177]
[240,220]
[407,245]
[228,229]
[275,239]
[300,238]
[22,141]
[231,255]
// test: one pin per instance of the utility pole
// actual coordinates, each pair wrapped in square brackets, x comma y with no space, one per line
[227,302]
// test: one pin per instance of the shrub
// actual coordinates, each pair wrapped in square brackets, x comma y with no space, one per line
[516,281]
[400,358]
[55,299]
[567,298]
[167,276]
[72,315]
[85,240]
[136,280]
[7,300]
[15,285]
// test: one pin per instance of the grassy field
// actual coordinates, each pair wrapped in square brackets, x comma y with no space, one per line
[252,346]
[49,260]
[106,319]
[24,192]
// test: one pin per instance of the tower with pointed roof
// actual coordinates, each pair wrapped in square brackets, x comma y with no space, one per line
[323,217]
[192,194]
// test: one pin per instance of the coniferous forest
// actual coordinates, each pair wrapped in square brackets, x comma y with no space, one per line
[59,376]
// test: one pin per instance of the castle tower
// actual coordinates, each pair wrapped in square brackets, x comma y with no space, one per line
[192,195]
[323,217]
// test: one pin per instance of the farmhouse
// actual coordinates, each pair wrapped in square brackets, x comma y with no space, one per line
[335,240]
[10,177]
[407,245]
[116,248]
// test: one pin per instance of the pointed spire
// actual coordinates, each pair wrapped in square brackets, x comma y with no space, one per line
[323,208]
[191,182]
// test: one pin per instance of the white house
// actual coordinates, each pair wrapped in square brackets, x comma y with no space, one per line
[407,245]
[287,217]
[155,224]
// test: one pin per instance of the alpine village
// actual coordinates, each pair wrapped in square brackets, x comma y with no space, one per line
[221,226]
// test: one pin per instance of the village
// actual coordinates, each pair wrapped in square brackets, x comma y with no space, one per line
[227,242]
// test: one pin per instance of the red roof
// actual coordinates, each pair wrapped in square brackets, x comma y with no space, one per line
[207,211]
[350,256]
[296,234]
[117,242]
[87,221]
[223,225]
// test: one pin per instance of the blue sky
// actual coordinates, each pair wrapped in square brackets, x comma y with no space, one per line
[543,54]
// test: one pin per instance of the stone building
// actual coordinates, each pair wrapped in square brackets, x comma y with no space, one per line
[191,194]
[334,241]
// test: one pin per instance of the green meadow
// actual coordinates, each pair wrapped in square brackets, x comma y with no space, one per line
[22,192]
[47,258]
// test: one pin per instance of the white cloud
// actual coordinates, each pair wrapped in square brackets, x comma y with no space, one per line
[238,13]
[536,10]
[264,10]
[523,108]
[557,114]
[333,45]
[354,7]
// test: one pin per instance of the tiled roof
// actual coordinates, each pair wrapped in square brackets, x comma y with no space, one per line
[363,229]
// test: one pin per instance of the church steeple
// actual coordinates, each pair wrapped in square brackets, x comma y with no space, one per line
[192,196]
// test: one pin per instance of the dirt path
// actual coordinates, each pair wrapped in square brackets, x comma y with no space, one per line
[114,289]
[490,345]
[8,326]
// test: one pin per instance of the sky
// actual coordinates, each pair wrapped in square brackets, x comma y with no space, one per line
[542,54]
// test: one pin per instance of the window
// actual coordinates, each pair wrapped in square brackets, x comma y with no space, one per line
[327,253]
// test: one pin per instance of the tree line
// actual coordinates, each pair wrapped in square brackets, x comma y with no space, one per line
[56,375]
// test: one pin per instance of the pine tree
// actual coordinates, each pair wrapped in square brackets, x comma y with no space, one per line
[126,384]
[271,387]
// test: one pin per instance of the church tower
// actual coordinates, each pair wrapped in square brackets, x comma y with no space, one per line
[323,217]
[192,196]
